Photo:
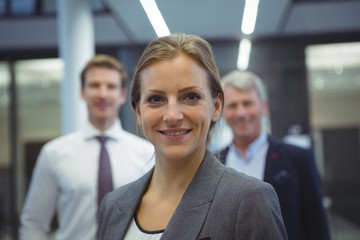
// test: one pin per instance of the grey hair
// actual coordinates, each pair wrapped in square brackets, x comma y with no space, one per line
[243,80]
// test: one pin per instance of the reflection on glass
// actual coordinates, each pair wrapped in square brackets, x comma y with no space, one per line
[22,6]
[4,119]
[5,199]
[38,83]
[2,7]
[334,91]
[38,91]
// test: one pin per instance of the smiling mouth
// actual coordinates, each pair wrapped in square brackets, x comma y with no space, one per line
[175,133]
[102,105]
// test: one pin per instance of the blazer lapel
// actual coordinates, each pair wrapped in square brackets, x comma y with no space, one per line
[274,172]
[190,215]
[124,211]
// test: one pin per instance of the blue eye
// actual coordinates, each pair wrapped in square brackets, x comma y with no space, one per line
[155,99]
[192,97]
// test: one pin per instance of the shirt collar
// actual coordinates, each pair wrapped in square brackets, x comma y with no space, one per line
[259,142]
[114,132]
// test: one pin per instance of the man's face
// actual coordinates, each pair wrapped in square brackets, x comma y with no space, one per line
[243,111]
[103,95]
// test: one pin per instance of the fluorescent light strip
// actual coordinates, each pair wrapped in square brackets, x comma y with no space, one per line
[156,19]
[244,54]
[249,16]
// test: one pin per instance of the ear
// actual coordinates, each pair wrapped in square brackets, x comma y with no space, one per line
[82,94]
[138,115]
[122,96]
[217,108]
[265,108]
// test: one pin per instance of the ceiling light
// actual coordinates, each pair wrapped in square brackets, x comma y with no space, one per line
[244,54]
[156,19]
[249,16]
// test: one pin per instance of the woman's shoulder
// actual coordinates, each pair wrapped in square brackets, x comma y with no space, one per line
[230,178]
[129,191]
[237,180]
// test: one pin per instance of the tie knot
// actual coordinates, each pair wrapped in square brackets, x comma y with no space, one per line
[102,139]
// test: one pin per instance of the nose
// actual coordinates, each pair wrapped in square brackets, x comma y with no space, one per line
[173,113]
[240,110]
[103,90]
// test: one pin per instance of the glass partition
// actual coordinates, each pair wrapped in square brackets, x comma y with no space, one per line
[334,91]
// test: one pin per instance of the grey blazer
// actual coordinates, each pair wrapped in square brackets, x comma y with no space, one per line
[220,203]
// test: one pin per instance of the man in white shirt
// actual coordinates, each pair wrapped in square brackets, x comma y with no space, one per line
[65,178]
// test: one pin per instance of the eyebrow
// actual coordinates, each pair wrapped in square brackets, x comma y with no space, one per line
[181,90]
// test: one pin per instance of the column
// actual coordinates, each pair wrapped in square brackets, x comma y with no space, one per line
[76,47]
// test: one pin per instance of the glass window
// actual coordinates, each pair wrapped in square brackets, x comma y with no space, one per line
[5,183]
[27,7]
[22,6]
[97,5]
[39,119]
[2,7]
[334,92]
[49,6]
[4,116]
[38,83]
[333,74]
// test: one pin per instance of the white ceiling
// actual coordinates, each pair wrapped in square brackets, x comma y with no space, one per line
[127,24]
[221,20]
[218,20]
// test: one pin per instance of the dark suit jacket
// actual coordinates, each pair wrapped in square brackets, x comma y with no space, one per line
[292,172]
[219,203]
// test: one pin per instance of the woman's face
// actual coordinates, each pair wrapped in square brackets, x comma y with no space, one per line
[176,107]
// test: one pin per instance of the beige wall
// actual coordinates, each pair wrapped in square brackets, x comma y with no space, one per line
[335,110]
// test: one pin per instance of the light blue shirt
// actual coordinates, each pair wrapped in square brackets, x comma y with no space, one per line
[253,163]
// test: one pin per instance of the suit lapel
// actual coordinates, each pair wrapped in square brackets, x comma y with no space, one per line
[190,215]
[125,210]
[273,163]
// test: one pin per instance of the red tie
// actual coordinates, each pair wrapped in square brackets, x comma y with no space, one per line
[105,183]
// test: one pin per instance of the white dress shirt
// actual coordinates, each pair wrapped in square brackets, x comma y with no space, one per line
[253,163]
[65,177]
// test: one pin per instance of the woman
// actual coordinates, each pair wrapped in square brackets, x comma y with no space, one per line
[177,96]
